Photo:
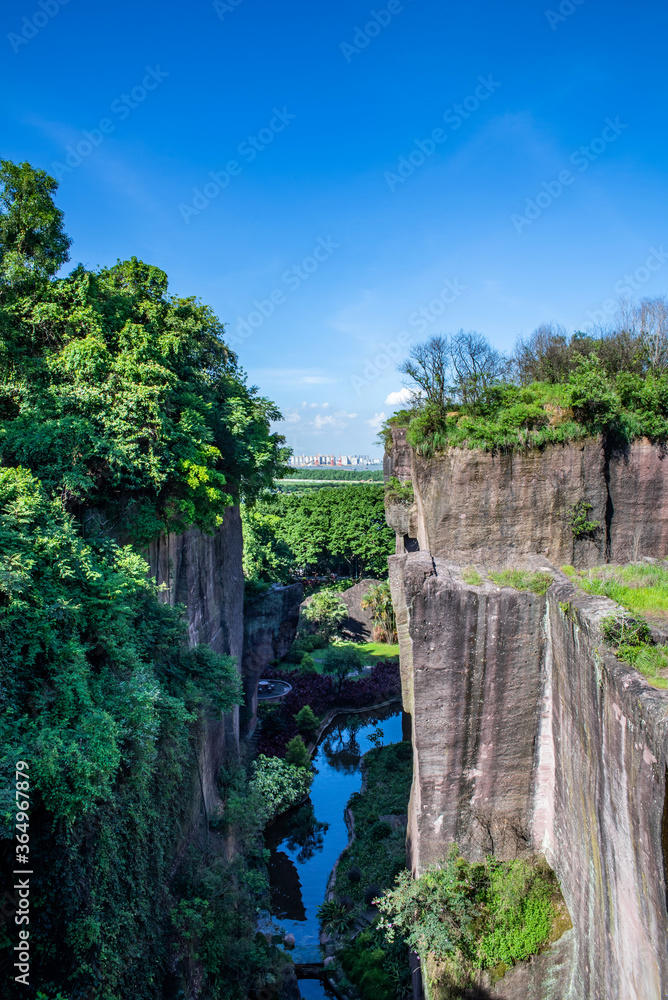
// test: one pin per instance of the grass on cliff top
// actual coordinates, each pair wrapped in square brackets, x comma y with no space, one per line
[642,589]
[639,587]
[523,579]
[471,576]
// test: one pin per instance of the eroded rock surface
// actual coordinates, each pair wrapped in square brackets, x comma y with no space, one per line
[270,626]
[529,736]
[475,505]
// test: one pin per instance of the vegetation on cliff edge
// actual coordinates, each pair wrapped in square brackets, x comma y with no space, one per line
[554,389]
[122,414]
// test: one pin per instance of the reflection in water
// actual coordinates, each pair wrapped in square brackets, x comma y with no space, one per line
[315,989]
[286,889]
[304,833]
[305,844]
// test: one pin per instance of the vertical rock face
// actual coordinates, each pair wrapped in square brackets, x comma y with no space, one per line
[604,828]
[204,573]
[475,688]
[481,506]
[270,625]
[529,737]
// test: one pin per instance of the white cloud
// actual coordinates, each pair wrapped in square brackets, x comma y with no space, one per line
[377,421]
[397,398]
[335,421]
[292,418]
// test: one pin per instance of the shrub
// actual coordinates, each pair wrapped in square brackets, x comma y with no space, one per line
[297,754]
[307,666]
[326,612]
[307,721]
[474,916]
[279,784]
[578,518]
[294,655]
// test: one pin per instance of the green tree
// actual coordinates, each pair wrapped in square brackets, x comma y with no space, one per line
[32,238]
[307,721]
[127,400]
[296,753]
[341,661]
[378,601]
[326,612]
[267,555]
[594,399]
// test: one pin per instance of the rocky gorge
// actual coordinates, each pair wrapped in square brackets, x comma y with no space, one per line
[529,736]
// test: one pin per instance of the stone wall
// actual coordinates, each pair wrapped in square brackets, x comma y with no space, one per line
[270,626]
[204,573]
[493,507]
[528,736]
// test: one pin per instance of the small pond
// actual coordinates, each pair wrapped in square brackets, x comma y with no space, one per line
[306,841]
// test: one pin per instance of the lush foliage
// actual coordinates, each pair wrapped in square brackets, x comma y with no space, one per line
[398,492]
[124,400]
[340,531]
[325,473]
[555,389]
[279,783]
[122,413]
[326,613]
[523,579]
[342,660]
[468,917]
[377,968]
[378,601]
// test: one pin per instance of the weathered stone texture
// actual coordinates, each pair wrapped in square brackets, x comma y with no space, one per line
[475,505]
[204,573]
[270,626]
[527,736]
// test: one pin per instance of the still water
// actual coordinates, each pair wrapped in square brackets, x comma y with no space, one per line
[306,842]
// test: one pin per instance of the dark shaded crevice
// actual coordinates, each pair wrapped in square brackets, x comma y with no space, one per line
[411,544]
[609,506]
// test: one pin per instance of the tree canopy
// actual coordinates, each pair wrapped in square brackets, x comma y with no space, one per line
[334,529]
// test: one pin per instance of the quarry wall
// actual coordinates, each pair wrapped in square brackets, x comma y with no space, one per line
[528,734]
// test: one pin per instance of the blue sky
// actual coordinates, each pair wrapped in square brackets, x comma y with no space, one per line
[340,180]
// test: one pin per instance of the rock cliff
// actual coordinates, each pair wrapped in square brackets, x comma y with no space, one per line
[528,735]
[270,626]
[204,574]
[478,505]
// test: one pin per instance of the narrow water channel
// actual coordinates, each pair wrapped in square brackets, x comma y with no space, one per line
[306,842]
